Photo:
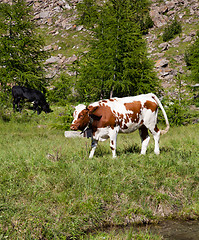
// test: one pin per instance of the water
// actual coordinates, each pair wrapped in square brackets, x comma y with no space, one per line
[177,230]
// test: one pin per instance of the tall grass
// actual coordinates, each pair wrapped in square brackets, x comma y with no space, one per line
[50,189]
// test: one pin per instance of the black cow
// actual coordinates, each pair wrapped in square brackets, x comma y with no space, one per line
[32,95]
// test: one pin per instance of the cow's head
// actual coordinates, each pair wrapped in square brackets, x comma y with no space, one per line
[46,108]
[81,117]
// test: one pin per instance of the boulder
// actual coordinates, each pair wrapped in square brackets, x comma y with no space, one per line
[163,62]
[52,59]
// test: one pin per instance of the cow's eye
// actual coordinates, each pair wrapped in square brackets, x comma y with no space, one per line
[81,116]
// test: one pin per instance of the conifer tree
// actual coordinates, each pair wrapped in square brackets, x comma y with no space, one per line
[117,63]
[192,59]
[20,47]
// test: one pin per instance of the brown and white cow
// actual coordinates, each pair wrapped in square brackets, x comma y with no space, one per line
[106,118]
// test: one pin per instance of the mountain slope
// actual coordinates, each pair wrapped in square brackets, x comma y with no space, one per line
[56,21]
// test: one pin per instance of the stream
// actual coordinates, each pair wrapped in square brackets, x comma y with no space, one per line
[176,230]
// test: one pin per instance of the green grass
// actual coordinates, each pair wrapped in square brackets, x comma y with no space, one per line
[50,189]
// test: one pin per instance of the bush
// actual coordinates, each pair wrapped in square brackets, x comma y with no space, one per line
[177,104]
[171,30]
[178,111]
[62,91]
[64,119]
[175,112]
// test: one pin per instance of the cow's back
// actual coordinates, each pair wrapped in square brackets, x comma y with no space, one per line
[127,112]
[33,95]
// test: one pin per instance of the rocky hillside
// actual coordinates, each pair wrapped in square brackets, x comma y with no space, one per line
[169,56]
[56,20]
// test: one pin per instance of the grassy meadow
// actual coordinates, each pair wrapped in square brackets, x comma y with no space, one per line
[49,189]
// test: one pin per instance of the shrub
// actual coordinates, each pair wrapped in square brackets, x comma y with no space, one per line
[178,111]
[62,91]
[177,104]
[64,119]
[171,30]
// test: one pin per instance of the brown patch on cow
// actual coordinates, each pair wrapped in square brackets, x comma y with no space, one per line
[92,109]
[111,99]
[120,115]
[143,132]
[156,129]
[112,148]
[126,119]
[112,142]
[151,105]
[107,118]
[104,101]
[135,107]
[125,126]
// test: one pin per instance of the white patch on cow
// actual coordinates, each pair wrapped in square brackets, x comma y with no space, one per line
[145,143]
[78,109]
[102,134]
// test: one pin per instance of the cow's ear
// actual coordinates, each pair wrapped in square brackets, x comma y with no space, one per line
[92,114]
[91,109]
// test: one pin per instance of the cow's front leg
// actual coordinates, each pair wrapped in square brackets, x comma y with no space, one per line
[13,105]
[113,141]
[36,107]
[93,147]
[16,102]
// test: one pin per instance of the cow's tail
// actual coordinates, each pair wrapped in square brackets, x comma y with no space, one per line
[164,113]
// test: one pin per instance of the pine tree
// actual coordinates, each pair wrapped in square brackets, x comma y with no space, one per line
[192,59]
[117,63]
[20,47]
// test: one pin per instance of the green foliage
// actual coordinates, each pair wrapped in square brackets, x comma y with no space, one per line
[20,48]
[62,90]
[171,30]
[88,13]
[117,63]
[177,103]
[176,111]
[192,59]
[64,119]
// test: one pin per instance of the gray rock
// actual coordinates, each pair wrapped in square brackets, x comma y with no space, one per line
[52,59]
[163,62]
[164,46]
[44,14]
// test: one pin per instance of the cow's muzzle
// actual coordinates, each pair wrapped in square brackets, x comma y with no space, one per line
[73,127]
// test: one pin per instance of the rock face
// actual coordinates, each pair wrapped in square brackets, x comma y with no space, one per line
[169,65]
[59,18]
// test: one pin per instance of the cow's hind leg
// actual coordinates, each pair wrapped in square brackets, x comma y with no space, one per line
[16,102]
[144,138]
[93,147]
[156,136]
[113,140]
[151,123]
